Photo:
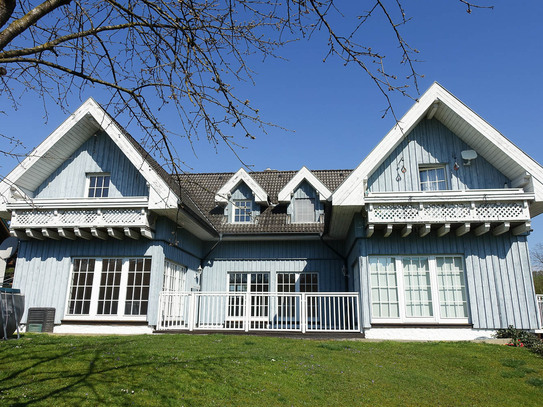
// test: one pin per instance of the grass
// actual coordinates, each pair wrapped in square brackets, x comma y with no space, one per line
[228,370]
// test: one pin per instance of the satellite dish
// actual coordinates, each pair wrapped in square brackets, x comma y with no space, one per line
[8,247]
[469,155]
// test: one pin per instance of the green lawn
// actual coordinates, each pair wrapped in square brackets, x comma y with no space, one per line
[195,370]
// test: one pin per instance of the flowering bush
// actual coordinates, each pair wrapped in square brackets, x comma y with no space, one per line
[521,339]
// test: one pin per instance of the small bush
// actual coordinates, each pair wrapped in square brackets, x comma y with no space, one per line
[521,338]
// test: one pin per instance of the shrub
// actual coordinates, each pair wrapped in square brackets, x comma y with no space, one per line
[521,338]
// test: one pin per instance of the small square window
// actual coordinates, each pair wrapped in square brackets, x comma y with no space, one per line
[242,211]
[432,178]
[98,185]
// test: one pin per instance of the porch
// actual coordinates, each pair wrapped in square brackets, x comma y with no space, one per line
[275,312]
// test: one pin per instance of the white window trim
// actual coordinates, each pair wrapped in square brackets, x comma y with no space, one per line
[170,266]
[96,174]
[425,167]
[436,311]
[235,207]
[93,316]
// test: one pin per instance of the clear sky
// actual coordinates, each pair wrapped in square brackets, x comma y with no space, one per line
[492,60]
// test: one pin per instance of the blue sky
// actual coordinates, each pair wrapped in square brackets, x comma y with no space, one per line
[492,60]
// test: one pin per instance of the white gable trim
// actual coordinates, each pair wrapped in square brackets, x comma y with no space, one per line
[223,195]
[52,152]
[304,174]
[502,153]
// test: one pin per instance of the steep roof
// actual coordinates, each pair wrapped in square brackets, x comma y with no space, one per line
[203,188]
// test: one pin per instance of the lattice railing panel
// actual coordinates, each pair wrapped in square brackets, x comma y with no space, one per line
[448,212]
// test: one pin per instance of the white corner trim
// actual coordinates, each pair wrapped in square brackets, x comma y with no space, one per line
[223,195]
[304,174]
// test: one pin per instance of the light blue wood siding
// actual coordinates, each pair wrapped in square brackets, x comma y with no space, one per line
[98,154]
[431,142]
[273,257]
[498,274]
[43,267]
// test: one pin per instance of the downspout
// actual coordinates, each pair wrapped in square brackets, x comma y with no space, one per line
[345,265]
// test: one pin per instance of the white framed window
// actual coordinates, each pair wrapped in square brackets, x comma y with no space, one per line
[297,282]
[238,285]
[98,185]
[304,210]
[109,288]
[432,178]
[412,289]
[175,276]
[242,210]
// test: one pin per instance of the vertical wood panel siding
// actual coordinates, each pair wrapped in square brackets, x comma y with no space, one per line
[273,257]
[98,154]
[430,142]
[497,268]
[43,267]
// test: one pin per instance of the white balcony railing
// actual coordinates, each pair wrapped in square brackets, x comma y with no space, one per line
[298,312]
[540,308]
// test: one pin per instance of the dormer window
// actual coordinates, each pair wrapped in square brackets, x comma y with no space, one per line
[432,178]
[98,185]
[242,210]
[304,210]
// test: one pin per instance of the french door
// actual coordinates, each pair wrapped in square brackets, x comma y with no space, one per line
[239,286]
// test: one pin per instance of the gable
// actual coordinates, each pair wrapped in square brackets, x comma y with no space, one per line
[304,176]
[97,155]
[222,196]
[431,143]
[439,103]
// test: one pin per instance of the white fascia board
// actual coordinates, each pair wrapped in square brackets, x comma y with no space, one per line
[161,194]
[223,195]
[352,191]
[304,174]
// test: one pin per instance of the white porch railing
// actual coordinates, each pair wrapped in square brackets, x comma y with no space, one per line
[298,312]
[540,308]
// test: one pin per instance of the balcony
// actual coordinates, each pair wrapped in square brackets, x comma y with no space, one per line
[81,218]
[476,211]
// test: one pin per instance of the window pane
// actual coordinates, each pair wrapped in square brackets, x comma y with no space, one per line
[418,291]
[452,288]
[137,289]
[384,287]
[81,287]
[304,210]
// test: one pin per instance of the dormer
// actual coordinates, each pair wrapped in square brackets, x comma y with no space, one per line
[305,196]
[241,197]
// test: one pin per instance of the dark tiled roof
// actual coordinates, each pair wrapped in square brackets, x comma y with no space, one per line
[273,218]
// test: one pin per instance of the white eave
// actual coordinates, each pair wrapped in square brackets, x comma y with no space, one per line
[223,195]
[64,141]
[440,104]
[304,174]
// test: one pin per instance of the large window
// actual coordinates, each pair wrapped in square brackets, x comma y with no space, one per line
[109,287]
[98,185]
[238,285]
[242,210]
[432,178]
[418,289]
[288,305]
[174,277]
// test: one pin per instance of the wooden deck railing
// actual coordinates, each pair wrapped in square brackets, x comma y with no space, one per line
[297,312]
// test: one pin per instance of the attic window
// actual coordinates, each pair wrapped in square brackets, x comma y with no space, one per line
[98,185]
[432,178]
[242,210]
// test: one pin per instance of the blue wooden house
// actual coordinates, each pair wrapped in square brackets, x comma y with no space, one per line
[426,238]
